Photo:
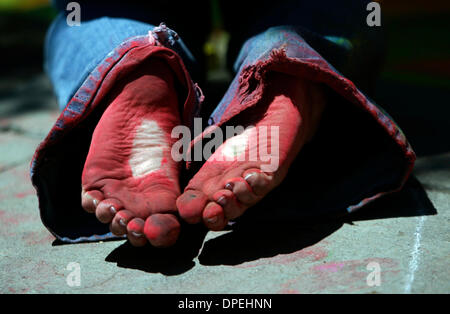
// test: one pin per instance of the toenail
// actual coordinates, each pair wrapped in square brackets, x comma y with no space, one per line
[95,202]
[212,219]
[113,210]
[229,186]
[248,176]
[122,222]
[136,234]
[222,201]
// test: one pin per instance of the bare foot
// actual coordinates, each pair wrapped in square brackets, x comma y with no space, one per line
[230,182]
[129,178]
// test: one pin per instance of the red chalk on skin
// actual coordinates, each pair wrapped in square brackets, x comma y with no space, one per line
[129,163]
[162,230]
[291,104]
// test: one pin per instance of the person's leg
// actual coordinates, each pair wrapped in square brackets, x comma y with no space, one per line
[72,53]
[279,61]
[337,30]
[122,90]
[129,178]
[246,167]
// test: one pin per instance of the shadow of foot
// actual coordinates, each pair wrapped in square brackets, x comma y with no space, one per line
[263,233]
[170,261]
[411,201]
[248,242]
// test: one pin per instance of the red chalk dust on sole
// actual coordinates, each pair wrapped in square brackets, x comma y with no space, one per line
[129,165]
[232,183]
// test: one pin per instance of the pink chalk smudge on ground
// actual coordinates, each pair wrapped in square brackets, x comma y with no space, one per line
[330,267]
[26,193]
[7,218]
[289,291]
[38,237]
[20,291]
[313,254]
[341,276]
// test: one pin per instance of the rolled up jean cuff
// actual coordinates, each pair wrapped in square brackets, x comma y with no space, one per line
[368,156]
[58,162]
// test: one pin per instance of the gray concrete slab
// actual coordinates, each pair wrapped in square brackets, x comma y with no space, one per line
[406,234]
[16,149]
[406,237]
[412,254]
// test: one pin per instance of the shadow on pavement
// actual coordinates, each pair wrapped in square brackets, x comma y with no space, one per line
[168,261]
[248,242]
[253,238]
[420,109]
[256,236]
[411,201]
[259,236]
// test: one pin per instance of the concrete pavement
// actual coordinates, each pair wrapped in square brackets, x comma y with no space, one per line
[405,236]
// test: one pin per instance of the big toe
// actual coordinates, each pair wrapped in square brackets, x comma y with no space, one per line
[162,230]
[190,206]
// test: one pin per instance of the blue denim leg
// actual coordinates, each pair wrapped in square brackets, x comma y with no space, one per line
[359,153]
[72,52]
[84,63]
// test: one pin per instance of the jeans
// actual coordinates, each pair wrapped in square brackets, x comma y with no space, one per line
[71,53]
[359,154]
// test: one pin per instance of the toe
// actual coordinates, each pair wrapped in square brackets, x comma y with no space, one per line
[259,182]
[231,206]
[242,191]
[190,205]
[135,229]
[90,200]
[162,230]
[214,217]
[120,221]
[107,209]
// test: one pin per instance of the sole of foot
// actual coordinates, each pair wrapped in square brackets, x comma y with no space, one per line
[129,179]
[248,166]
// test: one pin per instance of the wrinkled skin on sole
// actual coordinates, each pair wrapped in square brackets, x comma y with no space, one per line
[129,179]
[230,181]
